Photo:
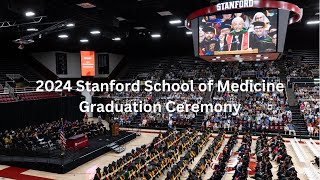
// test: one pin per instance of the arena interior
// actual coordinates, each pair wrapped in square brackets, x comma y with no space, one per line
[48,47]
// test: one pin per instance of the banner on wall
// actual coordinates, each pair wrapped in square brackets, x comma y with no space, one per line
[87,63]
[103,63]
[61,63]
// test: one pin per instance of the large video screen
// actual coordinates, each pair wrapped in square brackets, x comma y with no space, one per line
[238,33]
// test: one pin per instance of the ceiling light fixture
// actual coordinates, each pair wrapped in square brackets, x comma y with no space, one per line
[30,13]
[189,32]
[165,13]
[95,32]
[120,19]
[84,40]
[175,21]
[313,22]
[32,29]
[70,25]
[155,35]
[139,28]
[63,36]
[116,39]
[86,5]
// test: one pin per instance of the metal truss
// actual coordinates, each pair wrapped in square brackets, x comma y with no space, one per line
[34,20]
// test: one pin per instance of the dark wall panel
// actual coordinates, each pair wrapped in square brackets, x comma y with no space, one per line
[24,113]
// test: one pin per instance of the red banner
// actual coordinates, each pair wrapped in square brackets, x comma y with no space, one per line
[87,63]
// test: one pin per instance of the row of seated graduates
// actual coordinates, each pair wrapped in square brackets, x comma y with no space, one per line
[206,159]
[168,160]
[162,155]
[189,156]
[279,153]
[219,169]
[116,167]
[241,172]
[169,154]
[263,164]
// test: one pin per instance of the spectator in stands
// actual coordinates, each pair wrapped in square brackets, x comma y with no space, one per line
[292,129]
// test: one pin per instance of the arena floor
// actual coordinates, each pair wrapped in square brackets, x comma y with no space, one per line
[87,171]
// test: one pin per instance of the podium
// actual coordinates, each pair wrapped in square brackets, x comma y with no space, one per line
[115,129]
[78,142]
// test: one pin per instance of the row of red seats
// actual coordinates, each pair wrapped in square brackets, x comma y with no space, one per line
[6,99]
[271,123]
[37,96]
[271,128]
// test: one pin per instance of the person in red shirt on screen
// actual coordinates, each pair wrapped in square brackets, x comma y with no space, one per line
[238,38]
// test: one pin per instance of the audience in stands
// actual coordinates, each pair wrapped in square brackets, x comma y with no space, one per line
[308,98]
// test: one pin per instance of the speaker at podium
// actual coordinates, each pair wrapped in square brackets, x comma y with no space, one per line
[115,129]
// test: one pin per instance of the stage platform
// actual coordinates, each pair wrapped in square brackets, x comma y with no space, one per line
[54,161]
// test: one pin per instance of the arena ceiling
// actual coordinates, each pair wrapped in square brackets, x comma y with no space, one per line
[131,20]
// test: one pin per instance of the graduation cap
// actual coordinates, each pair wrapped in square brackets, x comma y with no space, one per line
[273,25]
[202,25]
[209,29]
[98,169]
[273,33]
[257,23]
[226,24]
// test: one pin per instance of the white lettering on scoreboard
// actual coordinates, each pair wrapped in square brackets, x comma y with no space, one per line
[234,5]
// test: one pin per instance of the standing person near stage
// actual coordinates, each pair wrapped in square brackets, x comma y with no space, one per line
[238,38]
[86,117]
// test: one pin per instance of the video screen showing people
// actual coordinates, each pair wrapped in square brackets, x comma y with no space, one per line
[239,33]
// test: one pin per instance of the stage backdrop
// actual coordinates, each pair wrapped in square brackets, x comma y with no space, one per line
[24,113]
